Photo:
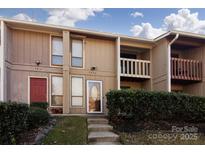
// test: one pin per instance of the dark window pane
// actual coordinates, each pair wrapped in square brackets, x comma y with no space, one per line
[77,62]
[57,60]
[57,100]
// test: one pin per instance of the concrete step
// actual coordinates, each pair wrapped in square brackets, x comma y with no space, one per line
[99,127]
[97,121]
[104,143]
[102,137]
[96,115]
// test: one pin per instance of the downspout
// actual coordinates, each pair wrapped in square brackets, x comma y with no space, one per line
[169,61]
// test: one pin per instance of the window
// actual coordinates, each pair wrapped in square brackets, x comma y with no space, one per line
[77,53]
[77,91]
[57,51]
[56,91]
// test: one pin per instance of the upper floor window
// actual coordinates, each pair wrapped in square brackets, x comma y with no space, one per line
[77,53]
[57,51]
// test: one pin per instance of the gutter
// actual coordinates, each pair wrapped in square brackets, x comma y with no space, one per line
[169,61]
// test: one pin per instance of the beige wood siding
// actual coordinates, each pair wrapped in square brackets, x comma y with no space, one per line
[102,55]
[176,87]
[159,61]
[137,85]
[66,78]
[23,49]
[108,83]
[197,89]
[18,84]
[131,85]
[27,47]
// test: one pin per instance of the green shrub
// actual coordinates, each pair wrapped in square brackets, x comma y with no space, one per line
[43,105]
[143,105]
[13,120]
[38,117]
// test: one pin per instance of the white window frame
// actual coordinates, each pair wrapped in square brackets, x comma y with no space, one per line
[83,52]
[51,51]
[101,98]
[50,91]
[83,89]
[40,77]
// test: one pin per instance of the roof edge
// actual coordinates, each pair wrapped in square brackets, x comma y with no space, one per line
[182,33]
[88,31]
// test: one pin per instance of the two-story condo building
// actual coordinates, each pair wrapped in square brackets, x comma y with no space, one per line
[73,69]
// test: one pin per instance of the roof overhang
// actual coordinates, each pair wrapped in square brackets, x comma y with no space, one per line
[59,29]
[182,34]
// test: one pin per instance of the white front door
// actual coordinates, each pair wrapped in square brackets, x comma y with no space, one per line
[94,96]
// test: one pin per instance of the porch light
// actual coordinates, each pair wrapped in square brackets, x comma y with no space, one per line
[38,62]
[93,68]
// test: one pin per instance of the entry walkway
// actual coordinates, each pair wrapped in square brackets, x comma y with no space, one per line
[100,132]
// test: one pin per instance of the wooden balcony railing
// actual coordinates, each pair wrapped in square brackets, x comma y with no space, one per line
[135,68]
[186,69]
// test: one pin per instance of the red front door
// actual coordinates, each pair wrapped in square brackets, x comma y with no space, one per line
[38,90]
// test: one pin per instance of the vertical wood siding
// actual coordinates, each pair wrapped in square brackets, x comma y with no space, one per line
[100,53]
[27,47]
[160,66]
[18,84]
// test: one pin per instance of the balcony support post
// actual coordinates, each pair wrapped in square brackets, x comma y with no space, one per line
[118,62]
[169,62]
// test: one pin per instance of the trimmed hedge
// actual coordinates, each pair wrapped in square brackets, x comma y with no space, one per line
[18,117]
[152,106]
[13,120]
[38,117]
[43,105]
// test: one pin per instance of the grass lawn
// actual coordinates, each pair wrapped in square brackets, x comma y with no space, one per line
[68,130]
[149,137]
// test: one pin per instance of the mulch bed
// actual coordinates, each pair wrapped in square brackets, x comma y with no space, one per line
[29,137]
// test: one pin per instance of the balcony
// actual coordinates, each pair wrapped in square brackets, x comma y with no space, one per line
[186,69]
[135,68]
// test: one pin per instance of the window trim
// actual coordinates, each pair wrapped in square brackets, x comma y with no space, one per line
[83,90]
[83,53]
[51,52]
[50,91]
